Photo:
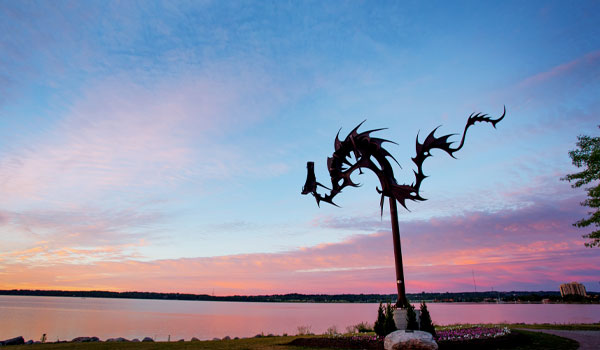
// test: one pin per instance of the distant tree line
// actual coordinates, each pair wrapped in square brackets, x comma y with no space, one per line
[490,296]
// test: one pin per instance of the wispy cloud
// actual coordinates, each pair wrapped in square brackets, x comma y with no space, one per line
[103,174]
[124,134]
[579,65]
[512,249]
[552,89]
[82,226]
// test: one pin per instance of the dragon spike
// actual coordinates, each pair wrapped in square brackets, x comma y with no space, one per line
[337,144]
[382,200]
[422,176]
[418,145]
[402,202]
[320,184]
[495,121]
[349,182]
[379,141]
[355,149]
[330,201]
[387,154]
[368,132]
[431,137]
[432,142]
[324,199]
[354,131]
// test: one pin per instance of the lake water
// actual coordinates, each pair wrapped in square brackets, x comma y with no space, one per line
[67,318]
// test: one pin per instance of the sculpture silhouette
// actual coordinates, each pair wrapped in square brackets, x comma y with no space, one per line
[368,153]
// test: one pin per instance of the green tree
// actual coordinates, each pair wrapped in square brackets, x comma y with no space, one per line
[384,324]
[587,156]
[390,324]
[379,326]
[425,320]
[411,318]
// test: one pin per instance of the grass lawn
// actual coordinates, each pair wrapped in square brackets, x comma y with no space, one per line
[538,340]
[518,340]
[563,327]
[521,340]
[557,326]
[265,343]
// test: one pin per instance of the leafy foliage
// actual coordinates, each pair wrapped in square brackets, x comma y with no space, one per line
[587,156]
[362,327]
[384,324]
[390,324]
[411,318]
[426,324]
[379,326]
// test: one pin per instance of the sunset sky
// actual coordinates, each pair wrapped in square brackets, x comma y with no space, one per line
[162,146]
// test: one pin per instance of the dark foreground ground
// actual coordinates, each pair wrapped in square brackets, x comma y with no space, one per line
[519,339]
[588,340]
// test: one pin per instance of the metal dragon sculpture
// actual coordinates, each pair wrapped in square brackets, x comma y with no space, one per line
[368,153]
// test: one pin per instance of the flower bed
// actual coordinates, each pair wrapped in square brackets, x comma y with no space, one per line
[468,333]
[449,338]
[372,342]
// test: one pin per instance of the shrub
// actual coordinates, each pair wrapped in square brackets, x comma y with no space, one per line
[411,318]
[390,324]
[362,327]
[379,326]
[426,323]
[331,331]
[384,324]
[304,330]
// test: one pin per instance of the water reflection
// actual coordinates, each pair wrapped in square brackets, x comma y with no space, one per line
[67,318]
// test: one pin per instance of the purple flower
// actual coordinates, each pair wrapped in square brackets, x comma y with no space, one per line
[475,332]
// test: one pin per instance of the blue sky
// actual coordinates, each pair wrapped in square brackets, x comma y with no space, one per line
[151,132]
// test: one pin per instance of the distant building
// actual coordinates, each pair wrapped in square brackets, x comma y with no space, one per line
[572,288]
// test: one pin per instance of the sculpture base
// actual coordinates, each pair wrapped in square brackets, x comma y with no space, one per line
[400,318]
[409,340]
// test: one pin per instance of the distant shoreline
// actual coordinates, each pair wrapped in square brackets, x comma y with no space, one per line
[458,297]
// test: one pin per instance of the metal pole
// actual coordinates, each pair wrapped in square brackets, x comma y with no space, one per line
[402,302]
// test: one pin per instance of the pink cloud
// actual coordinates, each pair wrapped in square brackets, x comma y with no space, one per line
[549,94]
[134,133]
[533,248]
[589,59]
[100,176]
[80,236]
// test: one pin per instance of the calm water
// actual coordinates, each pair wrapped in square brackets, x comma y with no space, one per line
[67,318]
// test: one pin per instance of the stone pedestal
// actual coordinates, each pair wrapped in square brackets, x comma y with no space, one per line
[400,318]
[409,340]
